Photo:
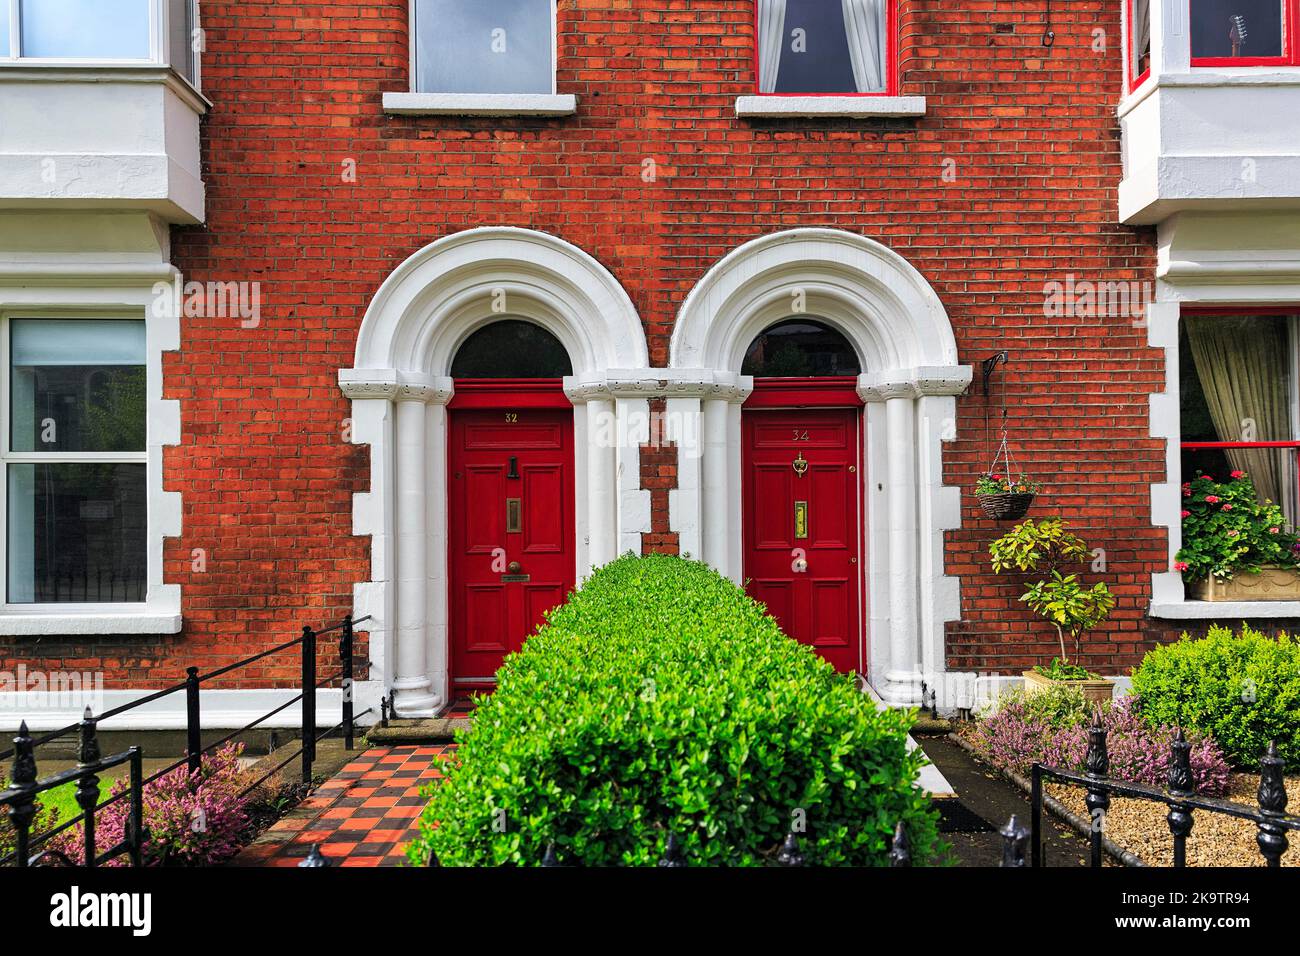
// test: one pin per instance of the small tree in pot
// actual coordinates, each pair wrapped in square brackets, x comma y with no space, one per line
[1071,607]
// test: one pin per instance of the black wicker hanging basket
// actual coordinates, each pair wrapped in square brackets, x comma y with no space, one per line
[1006,506]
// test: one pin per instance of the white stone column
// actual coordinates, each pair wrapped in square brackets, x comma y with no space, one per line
[602,482]
[716,486]
[411,684]
[902,681]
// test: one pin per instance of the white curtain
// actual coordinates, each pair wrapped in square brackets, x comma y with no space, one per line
[864,21]
[1141,32]
[771,33]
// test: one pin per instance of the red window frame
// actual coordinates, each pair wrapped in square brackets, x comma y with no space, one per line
[891,57]
[1290,49]
[1287,312]
[1135,79]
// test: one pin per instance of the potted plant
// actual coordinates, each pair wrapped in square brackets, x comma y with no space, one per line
[1062,599]
[1236,547]
[1004,498]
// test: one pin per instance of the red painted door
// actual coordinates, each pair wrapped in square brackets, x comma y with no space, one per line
[510,530]
[802,530]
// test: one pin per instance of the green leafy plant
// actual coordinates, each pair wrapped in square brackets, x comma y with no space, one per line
[46,819]
[1227,530]
[661,700]
[1241,688]
[1062,599]
[1063,670]
[1005,484]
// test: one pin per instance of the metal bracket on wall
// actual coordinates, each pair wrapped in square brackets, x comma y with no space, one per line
[990,364]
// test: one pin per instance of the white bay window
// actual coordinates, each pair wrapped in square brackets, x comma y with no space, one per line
[129,32]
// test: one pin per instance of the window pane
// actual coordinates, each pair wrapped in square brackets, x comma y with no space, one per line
[76,533]
[76,385]
[1235,386]
[91,29]
[1236,28]
[180,26]
[798,348]
[511,349]
[1139,26]
[822,46]
[4,29]
[488,46]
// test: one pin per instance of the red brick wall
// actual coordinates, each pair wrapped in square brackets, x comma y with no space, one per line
[266,475]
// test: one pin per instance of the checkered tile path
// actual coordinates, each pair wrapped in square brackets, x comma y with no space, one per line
[366,814]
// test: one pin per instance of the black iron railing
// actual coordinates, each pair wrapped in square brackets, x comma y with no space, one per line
[1270,817]
[1015,842]
[21,797]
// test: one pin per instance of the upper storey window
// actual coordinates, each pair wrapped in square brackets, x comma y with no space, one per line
[485,46]
[1243,32]
[134,32]
[825,46]
[1139,35]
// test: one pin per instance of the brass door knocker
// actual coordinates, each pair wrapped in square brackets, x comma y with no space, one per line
[800,465]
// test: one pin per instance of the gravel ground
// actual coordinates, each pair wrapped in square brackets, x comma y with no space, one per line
[1216,840]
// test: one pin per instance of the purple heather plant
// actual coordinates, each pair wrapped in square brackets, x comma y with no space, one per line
[193,819]
[1022,732]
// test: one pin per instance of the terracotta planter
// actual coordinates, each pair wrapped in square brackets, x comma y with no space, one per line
[1094,691]
[1270,584]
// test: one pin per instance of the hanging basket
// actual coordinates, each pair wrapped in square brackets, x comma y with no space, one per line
[1006,506]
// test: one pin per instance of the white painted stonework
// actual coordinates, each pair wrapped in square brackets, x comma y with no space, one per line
[112,137]
[481,104]
[905,344]
[221,709]
[854,107]
[400,388]
[54,264]
[1206,138]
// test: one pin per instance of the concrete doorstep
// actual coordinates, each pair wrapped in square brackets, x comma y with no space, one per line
[427,730]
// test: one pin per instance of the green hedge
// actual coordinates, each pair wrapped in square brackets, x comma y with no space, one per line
[661,698]
[1242,689]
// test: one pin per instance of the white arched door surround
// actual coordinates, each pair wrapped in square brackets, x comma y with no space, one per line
[400,387]
[908,354]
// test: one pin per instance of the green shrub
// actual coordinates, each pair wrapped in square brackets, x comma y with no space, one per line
[660,698]
[1241,689]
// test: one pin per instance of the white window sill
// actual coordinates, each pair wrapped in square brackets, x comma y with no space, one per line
[481,104]
[127,620]
[811,106]
[1225,612]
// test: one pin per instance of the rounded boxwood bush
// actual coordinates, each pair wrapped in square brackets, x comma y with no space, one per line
[1241,689]
[661,699]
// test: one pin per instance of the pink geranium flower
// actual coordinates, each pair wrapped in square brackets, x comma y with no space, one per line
[1227,506]
[1238,474]
[1212,499]
[1187,514]
[1180,565]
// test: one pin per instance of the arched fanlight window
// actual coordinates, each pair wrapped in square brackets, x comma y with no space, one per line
[511,348]
[800,348]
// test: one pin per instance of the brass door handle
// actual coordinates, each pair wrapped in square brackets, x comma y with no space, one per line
[512,567]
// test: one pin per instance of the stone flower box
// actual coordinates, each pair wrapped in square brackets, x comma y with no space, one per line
[1270,584]
[1094,691]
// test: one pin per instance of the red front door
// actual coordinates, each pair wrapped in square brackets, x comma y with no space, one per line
[510,530]
[802,531]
